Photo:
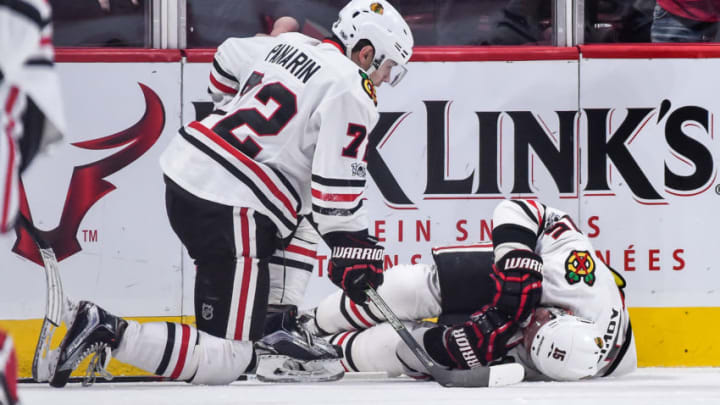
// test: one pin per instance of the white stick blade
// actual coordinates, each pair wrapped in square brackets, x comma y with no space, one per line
[506,374]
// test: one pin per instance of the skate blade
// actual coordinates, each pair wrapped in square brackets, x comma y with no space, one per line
[284,369]
[44,358]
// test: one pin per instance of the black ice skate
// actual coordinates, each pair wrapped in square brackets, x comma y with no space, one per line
[289,353]
[93,331]
[308,321]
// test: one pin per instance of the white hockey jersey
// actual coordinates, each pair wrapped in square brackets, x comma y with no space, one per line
[27,55]
[573,277]
[292,139]
[26,72]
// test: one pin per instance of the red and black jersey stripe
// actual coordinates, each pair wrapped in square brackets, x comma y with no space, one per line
[512,232]
[284,214]
[222,71]
[336,211]
[40,62]
[337,182]
[26,10]
[283,261]
[335,195]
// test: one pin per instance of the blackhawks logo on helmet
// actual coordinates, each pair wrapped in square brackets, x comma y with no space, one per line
[368,86]
[377,8]
[580,266]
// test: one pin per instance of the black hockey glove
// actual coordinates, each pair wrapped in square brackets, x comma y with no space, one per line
[518,284]
[356,262]
[486,337]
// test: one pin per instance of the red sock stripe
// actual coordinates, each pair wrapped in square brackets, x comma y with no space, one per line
[9,104]
[11,376]
[242,307]
[182,354]
[247,270]
[357,313]
[245,229]
[343,337]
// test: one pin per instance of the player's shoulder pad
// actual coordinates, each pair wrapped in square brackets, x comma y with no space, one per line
[297,37]
[367,86]
[243,45]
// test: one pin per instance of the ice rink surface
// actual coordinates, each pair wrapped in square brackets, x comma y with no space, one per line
[646,386]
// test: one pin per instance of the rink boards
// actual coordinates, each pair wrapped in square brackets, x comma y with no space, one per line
[621,138]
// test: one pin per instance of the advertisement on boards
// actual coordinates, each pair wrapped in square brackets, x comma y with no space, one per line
[98,197]
[444,150]
[649,175]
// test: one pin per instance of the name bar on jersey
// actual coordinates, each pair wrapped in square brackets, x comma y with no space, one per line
[296,62]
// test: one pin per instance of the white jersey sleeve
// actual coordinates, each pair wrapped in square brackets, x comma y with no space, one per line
[230,63]
[339,168]
[22,25]
[27,58]
[517,224]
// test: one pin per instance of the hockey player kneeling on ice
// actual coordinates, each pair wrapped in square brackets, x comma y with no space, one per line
[286,142]
[537,295]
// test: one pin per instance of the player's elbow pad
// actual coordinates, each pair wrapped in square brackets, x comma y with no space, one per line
[518,284]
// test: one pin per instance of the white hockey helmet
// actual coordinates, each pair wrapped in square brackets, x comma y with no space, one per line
[381,24]
[562,346]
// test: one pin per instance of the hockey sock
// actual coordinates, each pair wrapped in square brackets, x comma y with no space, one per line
[182,352]
[371,349]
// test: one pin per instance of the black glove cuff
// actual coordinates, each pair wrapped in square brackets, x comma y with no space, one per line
[354,239]
[433,342]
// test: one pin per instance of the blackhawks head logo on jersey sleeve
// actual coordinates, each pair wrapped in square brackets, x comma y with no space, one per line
[580,266]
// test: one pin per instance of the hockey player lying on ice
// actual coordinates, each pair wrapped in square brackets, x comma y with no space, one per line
[544,301]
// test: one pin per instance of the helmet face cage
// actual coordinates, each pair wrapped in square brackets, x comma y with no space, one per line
[397,72]
[394,71]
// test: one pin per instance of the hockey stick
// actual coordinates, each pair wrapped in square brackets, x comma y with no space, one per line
[492,376]
[43,358]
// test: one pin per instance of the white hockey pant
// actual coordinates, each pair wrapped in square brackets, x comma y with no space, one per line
[411,290]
